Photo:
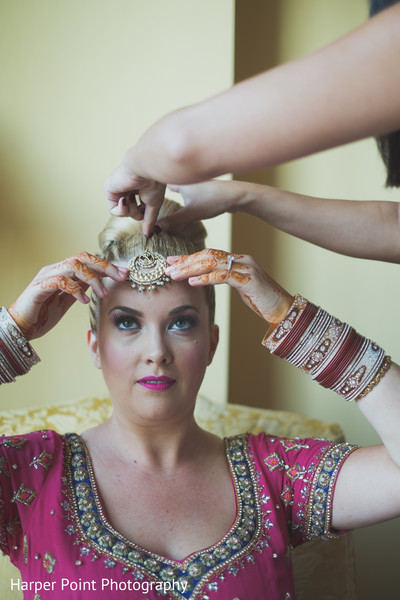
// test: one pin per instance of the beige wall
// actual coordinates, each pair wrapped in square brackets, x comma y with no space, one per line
[365,293]
[80,82]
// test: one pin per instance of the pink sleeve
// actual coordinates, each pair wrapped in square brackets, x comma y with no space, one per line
[301,474]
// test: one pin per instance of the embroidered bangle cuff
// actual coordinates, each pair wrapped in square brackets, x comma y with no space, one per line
[332,352]
[17,356]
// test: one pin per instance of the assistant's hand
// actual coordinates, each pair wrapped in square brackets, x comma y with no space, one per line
[120,190]
[257,289]
[204,201]
[56,287]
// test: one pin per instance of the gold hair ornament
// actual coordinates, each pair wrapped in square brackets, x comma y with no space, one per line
[147,271]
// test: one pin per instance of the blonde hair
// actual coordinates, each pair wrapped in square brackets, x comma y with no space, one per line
[122,238]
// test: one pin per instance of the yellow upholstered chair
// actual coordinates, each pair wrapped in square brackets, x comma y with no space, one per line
[324,569]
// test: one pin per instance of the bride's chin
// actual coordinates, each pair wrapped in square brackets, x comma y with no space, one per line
[159,409]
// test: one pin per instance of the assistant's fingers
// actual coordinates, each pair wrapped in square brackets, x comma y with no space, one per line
[120,207]
[149,219]
[117,186]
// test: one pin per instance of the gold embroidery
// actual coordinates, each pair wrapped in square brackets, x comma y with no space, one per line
[14,442]
[287,496]
[274,461]
[44,459]
[14,527]
[24,495]
[318,519]
[4,467]
[25,549]
[200,569]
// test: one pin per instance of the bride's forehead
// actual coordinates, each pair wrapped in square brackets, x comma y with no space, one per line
[175,293]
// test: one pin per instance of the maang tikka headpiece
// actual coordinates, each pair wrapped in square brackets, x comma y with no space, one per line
[146,271]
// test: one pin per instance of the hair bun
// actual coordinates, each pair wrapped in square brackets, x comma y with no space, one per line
[124,233]
[117,230]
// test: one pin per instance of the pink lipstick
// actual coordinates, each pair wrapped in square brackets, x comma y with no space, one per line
[156,384]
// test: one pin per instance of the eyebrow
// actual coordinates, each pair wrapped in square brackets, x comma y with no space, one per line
[126,309]
[138,313]
[182,308]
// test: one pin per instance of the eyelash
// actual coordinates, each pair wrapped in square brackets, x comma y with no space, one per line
[119,319]
[191,321]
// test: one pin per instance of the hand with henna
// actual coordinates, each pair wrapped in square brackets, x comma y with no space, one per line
[257,289]
[55,289]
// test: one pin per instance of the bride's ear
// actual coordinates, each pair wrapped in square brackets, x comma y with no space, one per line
[214,338]
[93,346]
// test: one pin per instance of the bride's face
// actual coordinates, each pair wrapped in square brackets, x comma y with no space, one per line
[153,348]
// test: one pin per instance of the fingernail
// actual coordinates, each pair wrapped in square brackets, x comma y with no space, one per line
[194,280]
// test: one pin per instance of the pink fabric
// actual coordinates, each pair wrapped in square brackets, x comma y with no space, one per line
[53,530]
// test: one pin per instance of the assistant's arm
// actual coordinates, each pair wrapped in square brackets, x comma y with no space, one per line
[363,229]
[343,92]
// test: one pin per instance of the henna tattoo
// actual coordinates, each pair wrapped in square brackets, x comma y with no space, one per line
[95,260]
[253,306]
[206,260]
[81,264]
[41,321]
[78,267]
[62,283]
[241,278]
[185,264]
[30,328]
[216,254]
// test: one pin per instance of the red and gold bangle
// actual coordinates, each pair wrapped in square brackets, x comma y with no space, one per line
[332,352]
[273,340]
[17,356]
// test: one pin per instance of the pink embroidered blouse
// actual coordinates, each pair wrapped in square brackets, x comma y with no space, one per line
[53,526]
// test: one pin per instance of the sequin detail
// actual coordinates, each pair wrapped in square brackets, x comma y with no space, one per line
[44,460]
[49,562]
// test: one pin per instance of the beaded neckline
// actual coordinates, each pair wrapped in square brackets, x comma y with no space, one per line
[195,570]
